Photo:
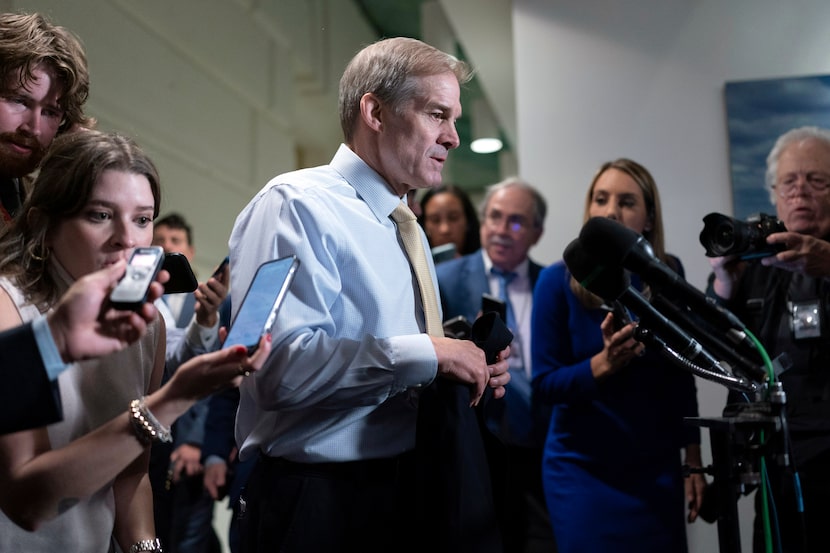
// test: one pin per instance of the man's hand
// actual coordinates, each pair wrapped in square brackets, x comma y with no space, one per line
[209,296]
[186,460]
[499,374]
[85,325]
[728,271]
[215,479]
[463,361]
[803,254]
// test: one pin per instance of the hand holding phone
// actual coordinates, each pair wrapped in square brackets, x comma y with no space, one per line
[220,270]
[131,291]
[621,318]
[258,309]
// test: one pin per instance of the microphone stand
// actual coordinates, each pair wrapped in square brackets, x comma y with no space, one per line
[734,438]
[736,455]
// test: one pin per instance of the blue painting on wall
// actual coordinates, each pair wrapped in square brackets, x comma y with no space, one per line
[757,113]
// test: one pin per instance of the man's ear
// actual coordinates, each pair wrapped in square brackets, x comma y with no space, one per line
[370,111]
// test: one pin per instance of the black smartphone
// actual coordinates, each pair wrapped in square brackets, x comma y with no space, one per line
[258,309]
[621,317]
[458,327]
[218,272]
[142,268]
[182,279]
[444,252]
[492,303]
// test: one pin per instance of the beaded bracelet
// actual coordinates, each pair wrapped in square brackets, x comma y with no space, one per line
[146,427]
[151,546]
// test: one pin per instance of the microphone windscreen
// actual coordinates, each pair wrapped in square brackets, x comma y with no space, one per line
[607,240]
[606,282]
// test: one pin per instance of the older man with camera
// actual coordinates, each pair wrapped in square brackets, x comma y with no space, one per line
[784,299]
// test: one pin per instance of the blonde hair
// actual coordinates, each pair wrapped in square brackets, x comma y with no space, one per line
[651,197]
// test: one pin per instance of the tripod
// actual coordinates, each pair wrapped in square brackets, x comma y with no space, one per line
[736,454]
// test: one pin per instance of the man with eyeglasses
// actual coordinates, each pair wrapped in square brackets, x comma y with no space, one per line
[512,221]
[771,296]
[44,83]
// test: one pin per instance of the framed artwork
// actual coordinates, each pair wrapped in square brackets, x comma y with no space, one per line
[757,113]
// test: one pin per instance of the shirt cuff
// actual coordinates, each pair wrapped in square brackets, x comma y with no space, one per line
[414,360]
[48,349]
[203,337]
[213,460]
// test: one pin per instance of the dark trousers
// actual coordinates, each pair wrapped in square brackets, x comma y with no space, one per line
[183,512]
[525,523]
[191,528]
[162,504]
[361,506]
[799,534]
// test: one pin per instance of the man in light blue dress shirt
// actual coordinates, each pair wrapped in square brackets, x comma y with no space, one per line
[332,413]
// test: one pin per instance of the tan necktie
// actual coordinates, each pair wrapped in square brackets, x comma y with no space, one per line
[411,237]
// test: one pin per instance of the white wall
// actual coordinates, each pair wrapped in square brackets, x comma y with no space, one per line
[644,79]
[223,94]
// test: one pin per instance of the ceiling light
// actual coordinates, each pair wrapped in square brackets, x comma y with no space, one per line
[486,137]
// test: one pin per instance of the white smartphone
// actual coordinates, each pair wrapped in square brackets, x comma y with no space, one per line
[131,290]
[258,309]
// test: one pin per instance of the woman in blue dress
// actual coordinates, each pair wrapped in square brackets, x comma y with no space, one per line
[612,464]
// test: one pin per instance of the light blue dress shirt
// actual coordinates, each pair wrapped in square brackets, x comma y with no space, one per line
[49,353]
[348,348]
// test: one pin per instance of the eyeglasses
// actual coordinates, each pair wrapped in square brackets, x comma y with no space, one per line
[515,223]
[815,182]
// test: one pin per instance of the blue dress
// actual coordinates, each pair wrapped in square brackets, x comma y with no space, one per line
[611,467]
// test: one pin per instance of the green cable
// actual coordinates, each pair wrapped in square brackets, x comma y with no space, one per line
[764,476]
[764,356]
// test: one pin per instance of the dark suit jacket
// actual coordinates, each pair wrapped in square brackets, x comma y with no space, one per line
[28,399]
[460,465]
[461,283]
[454,498]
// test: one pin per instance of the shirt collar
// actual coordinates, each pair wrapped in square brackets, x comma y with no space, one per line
[369,185]
[521,269]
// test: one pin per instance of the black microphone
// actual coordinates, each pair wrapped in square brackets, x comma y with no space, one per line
[710,339]
[615,244]
[612,283]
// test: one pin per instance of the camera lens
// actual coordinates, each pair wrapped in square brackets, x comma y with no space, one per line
[722,235]
[718,235]
[723,238]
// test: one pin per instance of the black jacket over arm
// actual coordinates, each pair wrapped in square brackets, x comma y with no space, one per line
[28,399]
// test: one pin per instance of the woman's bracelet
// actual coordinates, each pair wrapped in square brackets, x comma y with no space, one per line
[146,427]
[146,546]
